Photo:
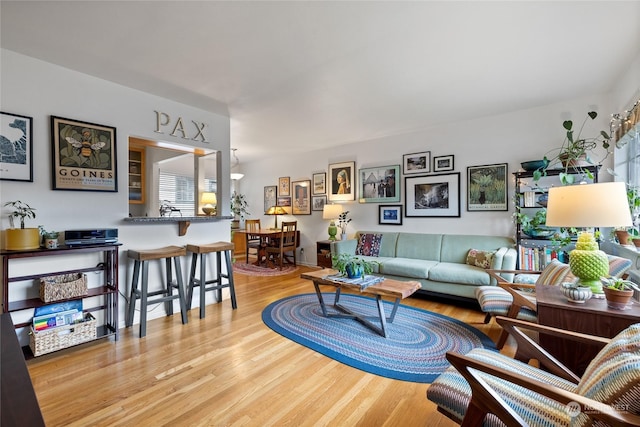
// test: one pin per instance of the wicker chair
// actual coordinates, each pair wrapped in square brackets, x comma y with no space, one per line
[253,241]
[518,300]
[485,388]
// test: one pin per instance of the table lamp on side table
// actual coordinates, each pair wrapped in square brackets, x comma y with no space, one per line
[588,206]
[276,210]
[332,212]
[208,201]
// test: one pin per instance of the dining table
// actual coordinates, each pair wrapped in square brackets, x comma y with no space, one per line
[268,237]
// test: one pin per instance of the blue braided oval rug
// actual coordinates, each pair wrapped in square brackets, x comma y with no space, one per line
[414,349]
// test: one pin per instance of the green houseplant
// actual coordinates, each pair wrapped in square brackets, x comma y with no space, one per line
[239,208]
[22,238]
[618,292]
[352,266]
[576,152]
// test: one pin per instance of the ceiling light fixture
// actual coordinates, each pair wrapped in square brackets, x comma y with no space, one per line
[235,175]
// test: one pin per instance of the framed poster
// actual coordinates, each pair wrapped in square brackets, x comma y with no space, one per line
[390,214]
[301,197]
[381,184]
[443,163]
[270,196]
[341,181]
[84,156]
[16,147]
[319,183]
[416,163]
[318,203]
[432,196]
[487,188]
[284,189]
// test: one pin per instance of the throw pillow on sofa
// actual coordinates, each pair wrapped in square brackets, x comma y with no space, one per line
[369,245]
[480,258]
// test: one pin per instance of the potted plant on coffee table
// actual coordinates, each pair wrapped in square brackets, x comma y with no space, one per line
[23,238]
[352,266]
[618,292]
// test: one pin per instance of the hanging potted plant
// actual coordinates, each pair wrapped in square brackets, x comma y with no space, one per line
[352,266]
[618,292]
[239,208]
[20,239]
[576,152]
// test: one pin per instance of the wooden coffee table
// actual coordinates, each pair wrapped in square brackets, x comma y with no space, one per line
[387,288]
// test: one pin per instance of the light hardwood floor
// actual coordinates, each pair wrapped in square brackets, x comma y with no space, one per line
[228,369]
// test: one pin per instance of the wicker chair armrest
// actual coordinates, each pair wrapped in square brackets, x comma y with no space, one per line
[485,400]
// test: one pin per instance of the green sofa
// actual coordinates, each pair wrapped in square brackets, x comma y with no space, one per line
[437,261]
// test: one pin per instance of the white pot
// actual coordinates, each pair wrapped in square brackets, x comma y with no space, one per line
[343,236]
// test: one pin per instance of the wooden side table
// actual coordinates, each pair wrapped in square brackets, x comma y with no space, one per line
[593,317]
[323,253]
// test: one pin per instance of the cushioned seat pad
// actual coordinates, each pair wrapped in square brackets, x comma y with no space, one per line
[463,274]
[408,267]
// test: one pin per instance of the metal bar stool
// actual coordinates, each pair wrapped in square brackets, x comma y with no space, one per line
[142,259]
[203,250]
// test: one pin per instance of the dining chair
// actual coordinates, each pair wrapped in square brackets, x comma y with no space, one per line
[286,242]
[253,241]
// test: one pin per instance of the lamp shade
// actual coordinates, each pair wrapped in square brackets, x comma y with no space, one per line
[276,210]
[331,211]
[589,205]
[237,176]
[208,198]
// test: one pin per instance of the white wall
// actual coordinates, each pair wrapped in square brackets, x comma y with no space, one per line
[38,89]
[510,138]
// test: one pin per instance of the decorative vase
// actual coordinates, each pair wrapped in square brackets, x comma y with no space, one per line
[575,293]
[616,299]
[333,230]
[22,239]
[343,236]
[588,263]
[354,271]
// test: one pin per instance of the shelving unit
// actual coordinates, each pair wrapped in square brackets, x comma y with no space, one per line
[108,289]
[136,175]
[323,253]
[533,252]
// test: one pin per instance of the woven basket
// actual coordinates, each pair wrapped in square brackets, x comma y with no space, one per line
[63,286]
[49,340]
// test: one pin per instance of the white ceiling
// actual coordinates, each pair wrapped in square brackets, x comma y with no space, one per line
[301,75]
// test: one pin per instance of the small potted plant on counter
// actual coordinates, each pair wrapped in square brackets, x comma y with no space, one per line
[23,238]
[352,266]
[618,292]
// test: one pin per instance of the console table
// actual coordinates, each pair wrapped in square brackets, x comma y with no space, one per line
[593,317]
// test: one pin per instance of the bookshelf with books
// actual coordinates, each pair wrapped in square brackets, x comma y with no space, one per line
[536,247]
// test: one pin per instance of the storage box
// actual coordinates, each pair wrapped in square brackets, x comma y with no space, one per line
[63,286]
[53,339]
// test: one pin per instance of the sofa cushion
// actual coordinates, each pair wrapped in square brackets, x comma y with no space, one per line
[479,258]
[387,244]
[369,245]
[456,246]
[459,273]
[405,267]
[419,246]
[618,265]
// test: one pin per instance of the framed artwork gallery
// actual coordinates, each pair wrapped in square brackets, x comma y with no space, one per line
[270,196]
[301,197]
[16,147]
[319,181]
[432,195]
[487,188]
[443,163]
[83,156]
[318,203]
[379,184]
[342,181]
[284,189]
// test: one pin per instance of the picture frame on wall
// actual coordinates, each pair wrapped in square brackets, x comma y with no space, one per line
[285,202]
[487,188]
[379,184]
[390,214]
[301,203]
[318,203]
[319,181]
[443,163]
[432,195]
[416,163]
[270,196]
[342,186]
[16,161]
[84,156]
[284,188]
